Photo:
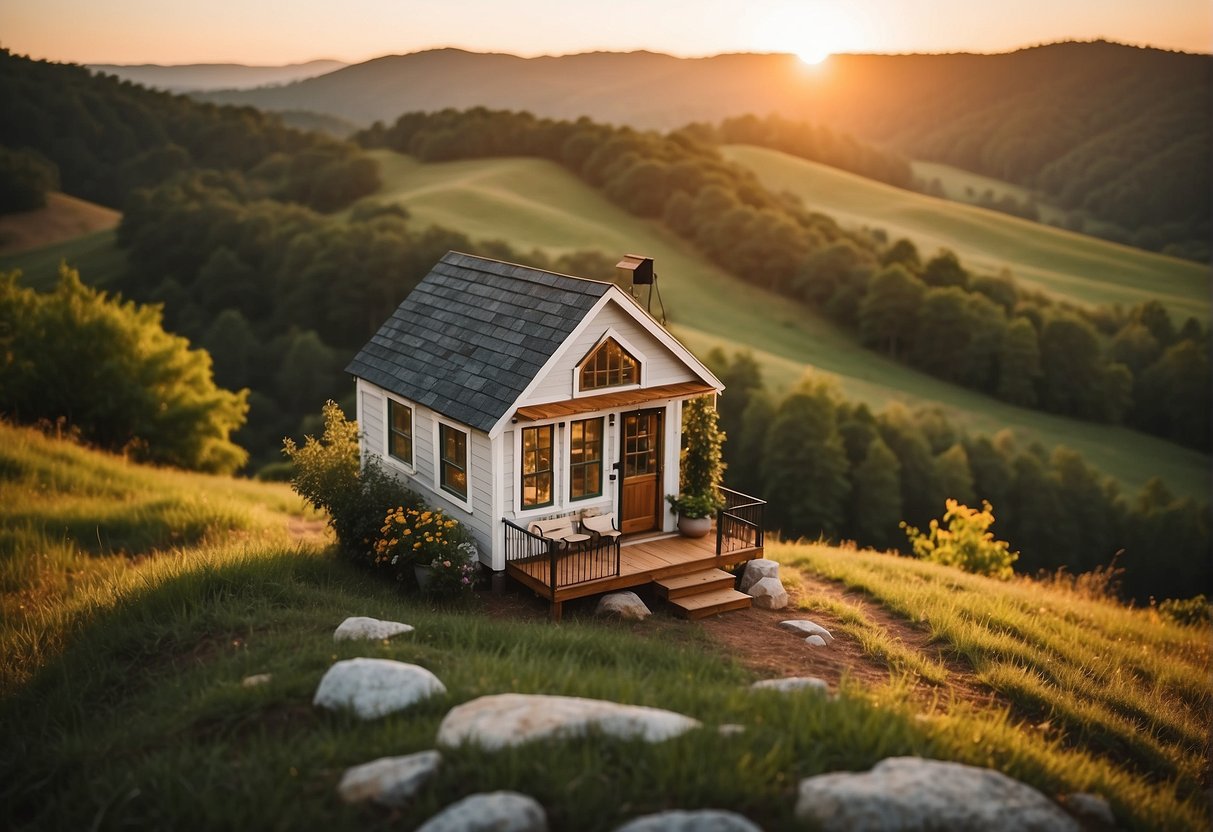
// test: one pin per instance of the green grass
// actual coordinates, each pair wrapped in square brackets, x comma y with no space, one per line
[1126,683]
[534,203]
[957,182]
[95,255]
[132,712]
[1082,269]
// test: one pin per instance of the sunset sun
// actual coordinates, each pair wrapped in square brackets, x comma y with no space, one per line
[811,33]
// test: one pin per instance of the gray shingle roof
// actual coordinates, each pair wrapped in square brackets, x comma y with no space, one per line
[470,337]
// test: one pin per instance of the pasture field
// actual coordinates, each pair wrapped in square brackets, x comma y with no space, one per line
[1073,267]
[96,255]
[64,218]
[533,203]
[122,703]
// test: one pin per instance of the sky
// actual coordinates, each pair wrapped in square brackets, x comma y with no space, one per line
[287,31]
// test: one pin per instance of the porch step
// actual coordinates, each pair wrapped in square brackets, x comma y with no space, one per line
[693,583]
[710,603]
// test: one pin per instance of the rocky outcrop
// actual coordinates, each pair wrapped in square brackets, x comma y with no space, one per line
[756,570]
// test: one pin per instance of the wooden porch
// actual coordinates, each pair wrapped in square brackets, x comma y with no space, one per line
[560,575]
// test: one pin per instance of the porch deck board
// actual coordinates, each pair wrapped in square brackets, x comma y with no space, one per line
[641,561]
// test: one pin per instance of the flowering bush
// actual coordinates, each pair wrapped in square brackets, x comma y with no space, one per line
[966,543]
[424,537]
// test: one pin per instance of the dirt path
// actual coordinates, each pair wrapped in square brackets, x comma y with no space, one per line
[308,531]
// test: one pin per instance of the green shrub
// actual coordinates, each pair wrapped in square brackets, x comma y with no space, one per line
[326,474]
[966,543]
[701,465]
[1194,610]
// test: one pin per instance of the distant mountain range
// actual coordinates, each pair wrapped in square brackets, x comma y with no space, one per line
[202,77]
[1120,132]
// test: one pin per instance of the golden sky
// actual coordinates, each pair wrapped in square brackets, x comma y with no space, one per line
[278,31]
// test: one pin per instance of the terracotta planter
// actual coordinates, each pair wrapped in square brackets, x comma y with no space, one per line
[694,526]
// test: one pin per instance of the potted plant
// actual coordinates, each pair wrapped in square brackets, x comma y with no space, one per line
[702,469]
[421,541]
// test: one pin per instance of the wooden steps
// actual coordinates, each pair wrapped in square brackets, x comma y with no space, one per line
[703,593]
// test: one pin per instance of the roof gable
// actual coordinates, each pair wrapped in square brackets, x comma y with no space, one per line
[473,334]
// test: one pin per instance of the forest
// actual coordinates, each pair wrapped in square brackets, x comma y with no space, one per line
[1134,367]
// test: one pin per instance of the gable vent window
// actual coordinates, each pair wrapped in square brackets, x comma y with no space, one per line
[609,365]
[400,431]
[453,460]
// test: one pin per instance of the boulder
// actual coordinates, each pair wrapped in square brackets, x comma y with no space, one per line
[730,729]
[388,781]
[371,629]
[372,688]
[1092,809]
[626,605]
[256,680]
[768,594]
[756,570]
[491,812]
[910,793]
[807,628]
[508,719]
[703,820]
[793,684]
[815,641]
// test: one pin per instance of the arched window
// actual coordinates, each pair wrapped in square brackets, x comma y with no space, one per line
[609,365]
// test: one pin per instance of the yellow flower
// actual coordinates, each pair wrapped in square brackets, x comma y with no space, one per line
[417,545]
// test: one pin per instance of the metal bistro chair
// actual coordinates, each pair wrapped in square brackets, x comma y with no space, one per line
[602,530]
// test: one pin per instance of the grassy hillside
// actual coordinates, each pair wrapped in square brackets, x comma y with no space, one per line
[1072,266]
[122,705]
[96,255]
[63,219]
[531,202]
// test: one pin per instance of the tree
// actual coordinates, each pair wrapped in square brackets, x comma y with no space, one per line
[119,378]
[1072,368]
[955,475]
[1173,397]
[920,486]
[1019,364]
[903,253]
[25,178]
[888,315]
[944,269]
[875,505]
[805,465]
[746,466]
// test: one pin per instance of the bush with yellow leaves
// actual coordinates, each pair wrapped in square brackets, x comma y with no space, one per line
[964,540]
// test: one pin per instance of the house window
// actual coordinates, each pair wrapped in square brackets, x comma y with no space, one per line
[537,466]
[609,365]
[585,459]
[400,431]
[453,460]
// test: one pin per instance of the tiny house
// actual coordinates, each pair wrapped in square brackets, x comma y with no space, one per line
[508,395]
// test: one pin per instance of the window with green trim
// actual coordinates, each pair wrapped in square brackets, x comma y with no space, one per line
[537,488]
[609,365]
[585,459]
[453,460]
[400,431]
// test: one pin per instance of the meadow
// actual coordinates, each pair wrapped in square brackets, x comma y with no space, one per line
[1074,267]
[121,703]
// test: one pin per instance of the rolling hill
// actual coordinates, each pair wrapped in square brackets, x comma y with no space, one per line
[64,219]
[202,77]
[534,203]
[137,602]
[1074,267]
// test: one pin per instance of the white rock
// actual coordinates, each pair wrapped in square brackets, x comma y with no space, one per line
[372,629]
[793,684]
[1092,809]
[507,719]
[756,570]
[730,729]
[768,594]
[388,781]
[626,605]
[815,641]
[909,793]
[491,812]
[808,628]
[256,680]
[703,820]
[373,688]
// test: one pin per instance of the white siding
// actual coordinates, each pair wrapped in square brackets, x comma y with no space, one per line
[371,408]
[661,366]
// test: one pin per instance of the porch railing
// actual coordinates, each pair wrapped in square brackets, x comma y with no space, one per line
[559,566]
[739,524]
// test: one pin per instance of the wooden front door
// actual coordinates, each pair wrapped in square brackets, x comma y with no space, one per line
[640,453]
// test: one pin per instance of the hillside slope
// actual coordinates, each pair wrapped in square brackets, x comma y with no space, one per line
[65,218]
[200,77]
[1081,269]
[122,702]
[531,202]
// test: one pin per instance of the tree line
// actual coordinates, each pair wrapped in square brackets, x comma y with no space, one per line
[1134,367]
[831,467]
[107,138]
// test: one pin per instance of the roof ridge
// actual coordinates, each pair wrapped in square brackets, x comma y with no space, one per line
[519,266]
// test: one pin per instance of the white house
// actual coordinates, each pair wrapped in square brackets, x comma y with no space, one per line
[502,392]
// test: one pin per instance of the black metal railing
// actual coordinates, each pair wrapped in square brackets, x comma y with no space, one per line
[739,524]
[556,563]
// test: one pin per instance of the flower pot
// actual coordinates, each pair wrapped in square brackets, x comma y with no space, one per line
[423,574]
[694,526]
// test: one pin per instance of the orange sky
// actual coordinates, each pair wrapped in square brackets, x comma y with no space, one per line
[278,31]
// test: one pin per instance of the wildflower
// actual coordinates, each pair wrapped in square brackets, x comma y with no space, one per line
[447,564]
[417,545]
